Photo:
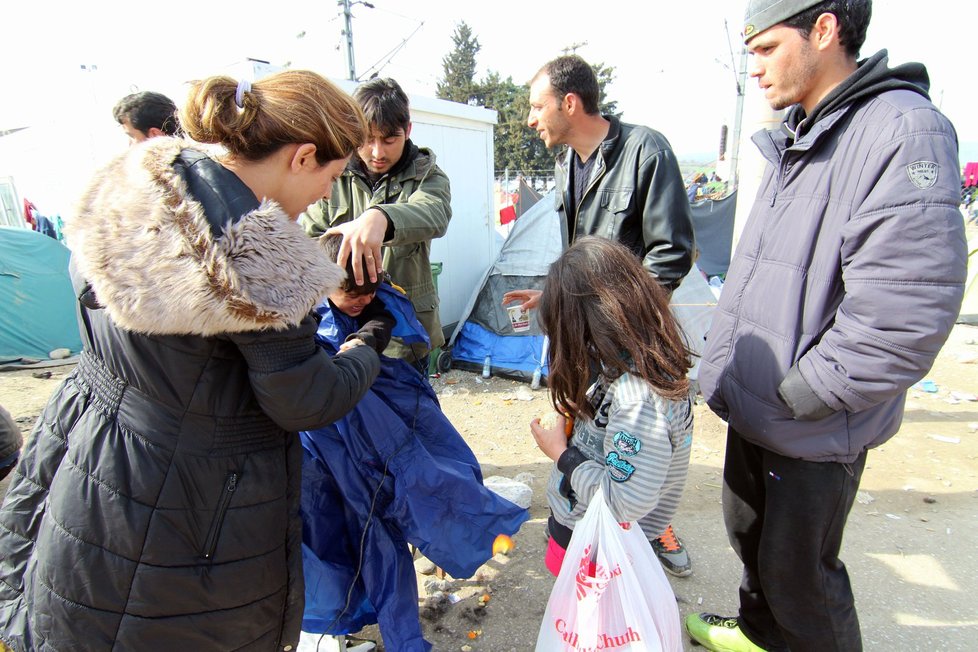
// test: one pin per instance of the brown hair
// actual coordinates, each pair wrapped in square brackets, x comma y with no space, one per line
[147,110]
[572,74]
[292,106]
[331,245]
[384,104]
[603,312]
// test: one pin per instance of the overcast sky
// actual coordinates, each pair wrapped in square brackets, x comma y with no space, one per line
[673,59]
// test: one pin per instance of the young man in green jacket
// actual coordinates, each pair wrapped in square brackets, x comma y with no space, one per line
[392,195]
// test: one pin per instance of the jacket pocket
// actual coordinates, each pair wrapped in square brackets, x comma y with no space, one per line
[614,204]
[224,501]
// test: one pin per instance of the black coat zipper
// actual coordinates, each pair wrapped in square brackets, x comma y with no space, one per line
[230,486]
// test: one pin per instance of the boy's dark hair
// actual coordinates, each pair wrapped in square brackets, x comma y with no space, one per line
[572,74]
[331,245]
[853,17]
[384,104]
[146,110]
[602,310]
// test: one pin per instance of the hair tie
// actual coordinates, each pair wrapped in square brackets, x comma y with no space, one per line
[244,86]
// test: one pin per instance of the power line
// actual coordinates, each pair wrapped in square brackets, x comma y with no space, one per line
[390,55]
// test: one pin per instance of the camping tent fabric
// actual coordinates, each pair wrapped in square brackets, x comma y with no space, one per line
[394,471]
[38,314]
[692,305]
[525,197]
[524,260]
[485,330]
[713,225]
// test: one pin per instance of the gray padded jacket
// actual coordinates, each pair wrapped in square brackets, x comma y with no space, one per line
[849,273]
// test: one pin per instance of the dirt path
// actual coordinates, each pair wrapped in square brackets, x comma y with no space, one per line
[910,545]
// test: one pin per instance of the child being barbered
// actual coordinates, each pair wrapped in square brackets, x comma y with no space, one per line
[374,321]
[632,425]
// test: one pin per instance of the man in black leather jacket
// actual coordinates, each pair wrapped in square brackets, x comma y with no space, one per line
[616,180]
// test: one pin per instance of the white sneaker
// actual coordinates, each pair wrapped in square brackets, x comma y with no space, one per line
[363,646]
[309,642]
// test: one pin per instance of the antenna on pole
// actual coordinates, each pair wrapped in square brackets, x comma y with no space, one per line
[573,47]
[348,32]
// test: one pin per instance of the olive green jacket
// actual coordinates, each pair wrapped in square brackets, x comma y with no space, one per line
[416,198]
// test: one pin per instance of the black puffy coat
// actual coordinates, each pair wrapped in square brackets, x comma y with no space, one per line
[156,503]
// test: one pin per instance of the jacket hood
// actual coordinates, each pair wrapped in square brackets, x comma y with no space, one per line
[872,77]
[159,266]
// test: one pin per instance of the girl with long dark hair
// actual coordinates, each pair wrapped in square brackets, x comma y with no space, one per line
[618,368]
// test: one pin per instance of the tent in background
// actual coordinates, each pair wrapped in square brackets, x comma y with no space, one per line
[485,333]
[525,197]
[713,223]
[511,205]
[38,303]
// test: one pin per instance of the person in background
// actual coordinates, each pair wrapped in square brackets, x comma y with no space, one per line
[697,184]
[146,115]
[156,504]
[844,287]
[619,181]
[391,195]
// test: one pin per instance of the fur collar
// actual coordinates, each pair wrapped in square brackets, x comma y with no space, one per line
[145,245]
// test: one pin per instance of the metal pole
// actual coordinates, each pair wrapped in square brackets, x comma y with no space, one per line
[348,17]
[738,118]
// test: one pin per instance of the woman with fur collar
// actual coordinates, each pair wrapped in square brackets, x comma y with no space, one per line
[155,506]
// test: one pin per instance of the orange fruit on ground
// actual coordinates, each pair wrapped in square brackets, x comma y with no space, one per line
[502,544]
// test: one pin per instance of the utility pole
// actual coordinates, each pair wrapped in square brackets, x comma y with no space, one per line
[348,33]
[741,74]
[573,47]
[740,81]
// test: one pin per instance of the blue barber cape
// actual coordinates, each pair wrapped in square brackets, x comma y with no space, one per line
[393,471]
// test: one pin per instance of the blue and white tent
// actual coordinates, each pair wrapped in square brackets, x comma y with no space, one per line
[485,331]
[37,303]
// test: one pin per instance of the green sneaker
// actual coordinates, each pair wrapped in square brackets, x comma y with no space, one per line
[718,634]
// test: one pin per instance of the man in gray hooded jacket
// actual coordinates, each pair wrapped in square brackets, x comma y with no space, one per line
[845,284]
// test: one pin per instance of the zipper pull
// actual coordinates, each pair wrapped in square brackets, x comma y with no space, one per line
[232,482]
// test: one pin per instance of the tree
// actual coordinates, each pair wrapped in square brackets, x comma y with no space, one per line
[605,75]
[517,147]
[458,83]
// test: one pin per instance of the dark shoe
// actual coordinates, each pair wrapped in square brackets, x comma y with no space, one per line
[672,553]
[718,633]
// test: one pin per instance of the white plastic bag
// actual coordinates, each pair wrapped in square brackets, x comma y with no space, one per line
[611,593]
